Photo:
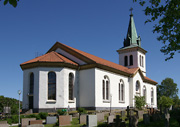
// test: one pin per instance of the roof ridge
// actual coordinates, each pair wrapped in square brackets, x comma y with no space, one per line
[58,56]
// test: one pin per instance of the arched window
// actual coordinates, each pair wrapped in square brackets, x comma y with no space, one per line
[125,61]
[137,86]
[152,96]
[131,60]
[105,88]
[121,90]
[31,85]
[140,60]
[144,92]
[51,86]
[71,84]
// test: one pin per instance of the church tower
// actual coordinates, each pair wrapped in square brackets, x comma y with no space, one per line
[132,55]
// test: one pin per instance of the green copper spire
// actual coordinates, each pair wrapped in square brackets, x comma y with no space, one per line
[132,39]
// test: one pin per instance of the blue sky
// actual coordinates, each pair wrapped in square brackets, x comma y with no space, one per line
[94,26]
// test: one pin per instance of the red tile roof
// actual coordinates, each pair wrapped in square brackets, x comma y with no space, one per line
[50,57]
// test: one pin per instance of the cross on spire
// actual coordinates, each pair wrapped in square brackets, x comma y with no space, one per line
[131,9]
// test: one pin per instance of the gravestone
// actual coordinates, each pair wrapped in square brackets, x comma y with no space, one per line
[167,117]
[70,117]
[4,124]
[127,111]
[140,114]
[51,119]
[131,113]
[91,121]
[75,115]
[110,119]
[25,121]
[117,121]
[31,122]
[64,120]
[146,118]
[151,111]
[100,116]
[133,121]
[82,119]
[123,113]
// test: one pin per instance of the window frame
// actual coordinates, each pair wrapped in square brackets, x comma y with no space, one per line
[53,85]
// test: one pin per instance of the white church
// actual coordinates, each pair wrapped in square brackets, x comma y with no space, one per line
[66,77]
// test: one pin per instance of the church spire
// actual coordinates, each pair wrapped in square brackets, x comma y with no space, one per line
[132,38]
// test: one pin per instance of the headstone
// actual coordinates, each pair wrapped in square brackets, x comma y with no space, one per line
[31,122]
[131,113]
[64,120]
[151,111]
[146,118]
[25,121]
[117,121]
[133,121]
[91,121]
[51,119]
[140,114]
[70,117]
[82,119]
[167,117]
[110,119]
[123,124]
[75,114]
[122,113]
[100,116]
[127,111]
[4,124]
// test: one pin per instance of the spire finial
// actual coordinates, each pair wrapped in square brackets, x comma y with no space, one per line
[131,9]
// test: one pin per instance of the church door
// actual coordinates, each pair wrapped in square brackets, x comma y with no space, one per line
[30,102]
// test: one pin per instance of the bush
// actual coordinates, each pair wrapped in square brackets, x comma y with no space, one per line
[34,116]
[43,115]
[82,111]
[62,112]
[140,102]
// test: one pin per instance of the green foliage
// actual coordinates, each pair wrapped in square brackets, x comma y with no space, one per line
[12,2]
[167,13]
[43,115]
[166,102]
[10,102]
[140,102]
[34,116]
[82,111]
[62,112]
[169,89]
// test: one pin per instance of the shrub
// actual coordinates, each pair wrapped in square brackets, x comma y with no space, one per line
[82,110]
[43,115]
[34,116]
[62,112]
[140,102]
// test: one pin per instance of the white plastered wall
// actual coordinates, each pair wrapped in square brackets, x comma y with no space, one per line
[41,88]
[87,88]
[114,89]
[148,86]
[135,60]
[143,68]
[26,87]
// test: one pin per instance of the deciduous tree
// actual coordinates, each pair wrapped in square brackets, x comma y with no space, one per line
[167,13]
